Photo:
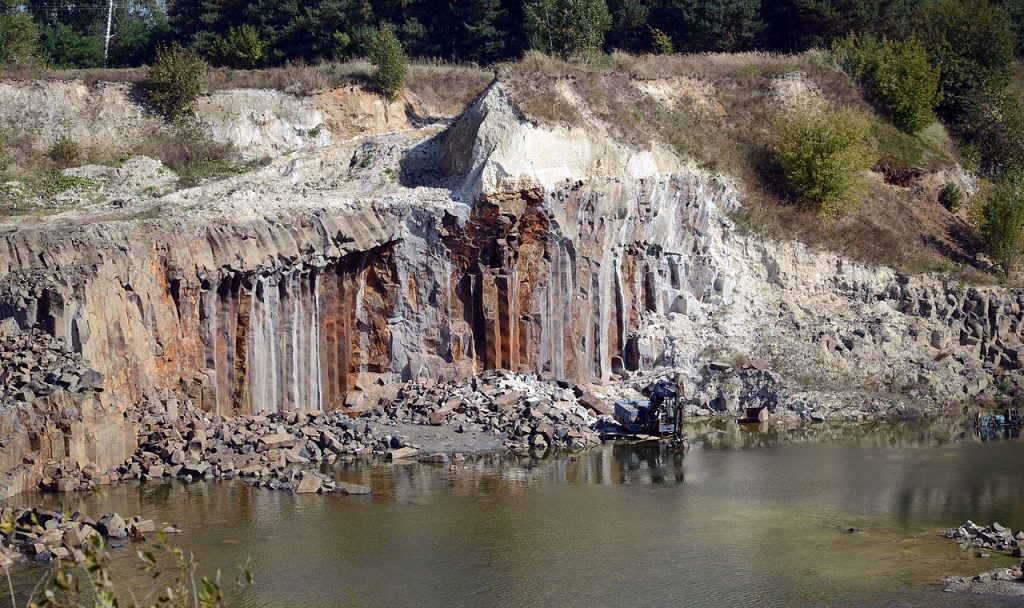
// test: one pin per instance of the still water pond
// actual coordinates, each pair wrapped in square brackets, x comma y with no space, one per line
[744,518]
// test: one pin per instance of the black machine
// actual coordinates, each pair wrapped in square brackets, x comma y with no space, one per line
[659,416]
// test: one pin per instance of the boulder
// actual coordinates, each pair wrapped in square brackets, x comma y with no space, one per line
[310,484]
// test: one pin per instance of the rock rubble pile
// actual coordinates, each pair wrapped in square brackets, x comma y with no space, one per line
[995,537]
[527,413]
[42,534]
[34,364]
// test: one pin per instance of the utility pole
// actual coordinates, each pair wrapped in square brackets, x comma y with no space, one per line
[106,39]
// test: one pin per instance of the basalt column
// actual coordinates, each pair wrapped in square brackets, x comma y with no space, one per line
[297,338]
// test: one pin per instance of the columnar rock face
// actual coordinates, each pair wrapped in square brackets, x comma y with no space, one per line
[574,265]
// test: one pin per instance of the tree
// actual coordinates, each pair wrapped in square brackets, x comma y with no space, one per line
[242,48]
[65,48]
[971,42]
[174,81]
[568,28]
[629,30]
[898,74]
[19,38]
[994,124]
[661,44]
[824,154]
[480,35]
[1003,221]
[390,62]
[1015,10]
[700,26]
[137,38]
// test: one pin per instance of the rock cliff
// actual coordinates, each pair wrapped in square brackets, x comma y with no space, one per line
[421,253]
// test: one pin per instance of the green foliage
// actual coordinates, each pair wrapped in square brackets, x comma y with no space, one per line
[19,38]
[5,153]
[137,39]
[1002,221]
[952,197]
[993,123]
[67,49]
[92,585]
[242,48]
[898,74]
[174,81]
[971,42]
[823,155]
[65,153]
[661,44]
[567,28]
[702,26]
[390,63]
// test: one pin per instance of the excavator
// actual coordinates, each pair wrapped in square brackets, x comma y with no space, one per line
[659,416]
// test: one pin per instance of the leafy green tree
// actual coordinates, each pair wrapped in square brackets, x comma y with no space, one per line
[1015,10]
[137,38]
[568,28]
[993,123]
[897,73]
[174,81]
[824,154]
[65,48]
[971,42]
[242,48]
[390,63]
[1003,221]
[19,38]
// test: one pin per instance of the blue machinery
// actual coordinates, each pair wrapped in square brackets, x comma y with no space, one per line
[659,416]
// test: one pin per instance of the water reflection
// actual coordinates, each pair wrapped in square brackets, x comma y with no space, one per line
[623,524]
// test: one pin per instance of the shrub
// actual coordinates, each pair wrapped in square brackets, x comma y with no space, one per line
[952,197]
[390,62]
[823,155]
[907,85]
[174,81]
[1002,221]
[242,48]
[970,40]
[65,152]
[5,153]
[19,38]
[661,43]
[898,74]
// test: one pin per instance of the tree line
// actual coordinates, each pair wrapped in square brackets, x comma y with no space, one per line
[260,33]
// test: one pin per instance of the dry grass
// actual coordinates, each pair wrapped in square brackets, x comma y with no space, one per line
[449,86]
[901,227]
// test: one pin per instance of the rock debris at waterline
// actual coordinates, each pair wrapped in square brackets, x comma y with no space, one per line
[42,534]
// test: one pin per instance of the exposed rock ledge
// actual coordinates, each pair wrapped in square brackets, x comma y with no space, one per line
[310,284]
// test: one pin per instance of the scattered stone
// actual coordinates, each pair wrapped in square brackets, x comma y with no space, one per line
[43,535]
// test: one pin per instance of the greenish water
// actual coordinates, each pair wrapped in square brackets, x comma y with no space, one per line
[744,518]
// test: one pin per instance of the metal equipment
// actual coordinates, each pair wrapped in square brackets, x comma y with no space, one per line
[1010,418]
[659,416]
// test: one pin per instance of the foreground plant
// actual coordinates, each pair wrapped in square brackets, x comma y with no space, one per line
[90,584]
